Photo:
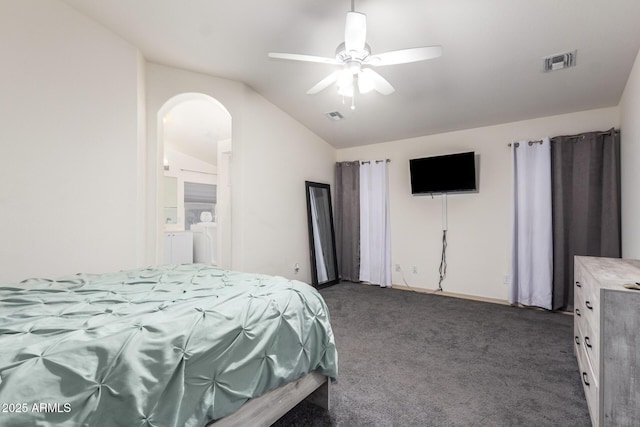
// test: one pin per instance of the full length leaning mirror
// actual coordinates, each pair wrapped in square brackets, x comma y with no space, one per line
[322,244]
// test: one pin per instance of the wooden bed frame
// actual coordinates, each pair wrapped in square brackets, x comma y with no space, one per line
[265,410]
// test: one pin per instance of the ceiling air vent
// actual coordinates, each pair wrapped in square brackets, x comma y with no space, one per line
[334,115]
[560,61]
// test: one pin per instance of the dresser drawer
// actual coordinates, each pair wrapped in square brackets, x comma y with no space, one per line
[583,340]
[588,323]
[589,383]
[587,288]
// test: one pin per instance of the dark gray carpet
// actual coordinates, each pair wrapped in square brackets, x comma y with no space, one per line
[414,359]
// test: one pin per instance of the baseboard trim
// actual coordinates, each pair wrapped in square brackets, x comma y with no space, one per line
[451,294]
[467,296]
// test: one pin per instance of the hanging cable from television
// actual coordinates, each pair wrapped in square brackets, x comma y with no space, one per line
[443,258]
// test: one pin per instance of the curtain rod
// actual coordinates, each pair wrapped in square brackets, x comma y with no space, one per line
[517,144]
[582,135]
[377,161]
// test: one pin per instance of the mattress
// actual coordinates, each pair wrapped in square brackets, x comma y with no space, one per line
[169,346]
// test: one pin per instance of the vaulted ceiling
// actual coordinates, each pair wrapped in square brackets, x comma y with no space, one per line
[490,72]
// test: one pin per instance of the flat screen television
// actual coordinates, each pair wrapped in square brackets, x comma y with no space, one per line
[443,174]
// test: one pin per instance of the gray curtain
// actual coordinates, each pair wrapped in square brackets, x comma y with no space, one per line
[585,182]
[347,220]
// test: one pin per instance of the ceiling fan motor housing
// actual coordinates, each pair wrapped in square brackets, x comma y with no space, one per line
[345,56]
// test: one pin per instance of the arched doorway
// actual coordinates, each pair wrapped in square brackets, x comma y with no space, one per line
[195,145]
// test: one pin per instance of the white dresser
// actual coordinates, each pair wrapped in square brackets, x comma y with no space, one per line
[607,338]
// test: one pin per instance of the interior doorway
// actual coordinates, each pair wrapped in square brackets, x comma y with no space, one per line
[195,143]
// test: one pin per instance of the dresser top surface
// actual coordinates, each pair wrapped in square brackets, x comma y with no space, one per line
[611,272]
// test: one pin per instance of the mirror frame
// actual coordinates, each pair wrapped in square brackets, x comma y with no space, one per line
[314,269]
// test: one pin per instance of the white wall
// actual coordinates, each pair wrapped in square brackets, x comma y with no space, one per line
[223,208]
[478,224]
[69,199]
[272,157]
[630,154]
[279,156]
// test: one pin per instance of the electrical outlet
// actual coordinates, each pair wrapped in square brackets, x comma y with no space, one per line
[398,267]
[414,269]
[296,268]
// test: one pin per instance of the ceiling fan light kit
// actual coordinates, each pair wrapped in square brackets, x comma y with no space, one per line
[354,55]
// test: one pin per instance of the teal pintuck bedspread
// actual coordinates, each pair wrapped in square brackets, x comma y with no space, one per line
[171,346]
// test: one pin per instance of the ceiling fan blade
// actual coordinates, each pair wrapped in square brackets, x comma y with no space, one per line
[306,58]
[324,83]
[379,83]
[405,55]
[355,32]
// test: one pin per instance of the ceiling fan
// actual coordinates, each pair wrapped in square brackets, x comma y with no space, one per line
[356,59]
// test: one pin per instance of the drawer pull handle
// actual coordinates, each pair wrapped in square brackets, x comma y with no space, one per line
[577,341]
[578,284]
[587,342]
[585,379]
[578,311]
[589,306]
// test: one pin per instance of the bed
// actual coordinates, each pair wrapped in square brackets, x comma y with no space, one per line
[170,346]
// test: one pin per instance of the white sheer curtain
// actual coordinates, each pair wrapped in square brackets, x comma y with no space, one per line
[375,243]
[531,228]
